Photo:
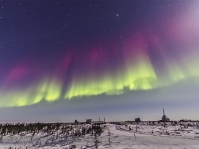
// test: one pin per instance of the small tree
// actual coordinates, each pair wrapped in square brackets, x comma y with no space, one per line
[109,133]
[96,142]
[1,139]
[83,131]
[109,140]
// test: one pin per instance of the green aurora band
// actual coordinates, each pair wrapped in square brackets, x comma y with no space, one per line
[138,74]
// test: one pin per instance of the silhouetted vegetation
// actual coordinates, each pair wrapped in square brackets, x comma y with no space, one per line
[51,133]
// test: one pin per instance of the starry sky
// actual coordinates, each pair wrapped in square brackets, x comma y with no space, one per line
[67,60]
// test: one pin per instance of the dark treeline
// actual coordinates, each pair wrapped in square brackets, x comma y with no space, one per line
[52,133]
[20,128]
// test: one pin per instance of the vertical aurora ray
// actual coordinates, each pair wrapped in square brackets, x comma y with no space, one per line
[51,89]
[140,75]
[182,67]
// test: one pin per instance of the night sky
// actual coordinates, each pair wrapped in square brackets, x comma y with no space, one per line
[67,60]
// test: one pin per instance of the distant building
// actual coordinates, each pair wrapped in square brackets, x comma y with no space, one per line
[137,120]
[164,117]
[88,121]
[76,122]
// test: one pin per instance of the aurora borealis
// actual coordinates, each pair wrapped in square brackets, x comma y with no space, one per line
[74,51]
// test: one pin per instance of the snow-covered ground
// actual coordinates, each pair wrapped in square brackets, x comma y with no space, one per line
[113,137]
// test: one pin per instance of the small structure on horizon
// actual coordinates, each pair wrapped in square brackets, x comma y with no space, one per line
[76,122]
[88,121]
[164,117]
[137,120]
